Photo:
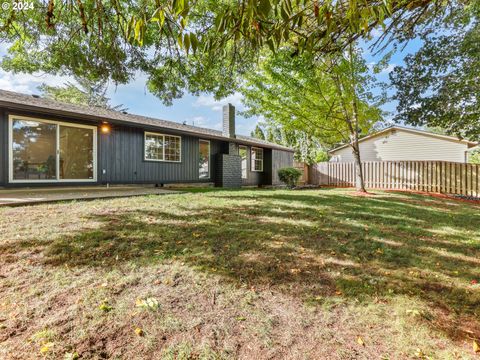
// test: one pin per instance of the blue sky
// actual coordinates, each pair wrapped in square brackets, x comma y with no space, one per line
[201,110]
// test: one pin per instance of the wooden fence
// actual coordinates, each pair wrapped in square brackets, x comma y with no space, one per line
[429,176]
[304,169]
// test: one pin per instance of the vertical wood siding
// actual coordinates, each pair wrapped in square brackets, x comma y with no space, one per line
[121,157]
[280,159]
[121,154]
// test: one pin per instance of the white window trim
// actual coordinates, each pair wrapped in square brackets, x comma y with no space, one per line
[209,155]
[252,161]
[57,150]
[163,135]
[246,158]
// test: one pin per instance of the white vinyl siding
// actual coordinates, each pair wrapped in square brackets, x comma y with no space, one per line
[399,144]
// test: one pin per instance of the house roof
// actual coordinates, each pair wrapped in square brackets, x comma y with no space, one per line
[23,102]
[415,131]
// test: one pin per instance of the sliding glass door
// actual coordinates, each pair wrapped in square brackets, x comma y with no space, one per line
[34,150]
[76,153]
[48,151]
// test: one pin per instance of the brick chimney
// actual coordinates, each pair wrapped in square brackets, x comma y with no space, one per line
[229,121]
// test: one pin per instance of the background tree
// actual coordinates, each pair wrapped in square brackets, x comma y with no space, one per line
[329,98]
[87,92]
[258,133]
[439,85]
[474,157]
[308,149]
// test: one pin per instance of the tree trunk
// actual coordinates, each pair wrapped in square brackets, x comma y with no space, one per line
[359,181]
[354,130]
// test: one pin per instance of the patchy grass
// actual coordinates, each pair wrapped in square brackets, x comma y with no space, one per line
[216,274]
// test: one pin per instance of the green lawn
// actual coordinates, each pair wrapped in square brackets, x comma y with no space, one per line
[210,274]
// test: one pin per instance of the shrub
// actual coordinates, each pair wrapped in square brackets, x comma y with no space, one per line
[289,176]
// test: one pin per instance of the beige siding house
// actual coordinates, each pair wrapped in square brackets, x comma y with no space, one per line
[399,143]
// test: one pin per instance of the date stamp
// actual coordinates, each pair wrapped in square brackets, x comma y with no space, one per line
[18,5]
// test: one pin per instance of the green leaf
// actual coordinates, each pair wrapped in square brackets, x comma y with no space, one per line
[194,42]
[186,42]
[180,40]
[264,7]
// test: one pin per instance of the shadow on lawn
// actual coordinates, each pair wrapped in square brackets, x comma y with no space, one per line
[306,245]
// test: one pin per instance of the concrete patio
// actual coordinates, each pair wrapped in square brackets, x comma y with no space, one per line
[30,196]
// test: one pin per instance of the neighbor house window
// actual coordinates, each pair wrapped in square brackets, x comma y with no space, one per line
[204,159]
[160,147]
[243,152]
[51,151]
[257,159]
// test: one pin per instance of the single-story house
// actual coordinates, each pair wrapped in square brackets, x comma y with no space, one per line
[401,143]
[45,142]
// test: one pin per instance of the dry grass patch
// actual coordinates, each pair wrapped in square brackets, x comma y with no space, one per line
[241,274]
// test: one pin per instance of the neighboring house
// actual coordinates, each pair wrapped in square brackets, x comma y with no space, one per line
[45,142]
[400,143]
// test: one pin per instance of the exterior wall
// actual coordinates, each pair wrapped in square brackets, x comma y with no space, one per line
[120,157]
[280,159]
[254,178]
[404,145]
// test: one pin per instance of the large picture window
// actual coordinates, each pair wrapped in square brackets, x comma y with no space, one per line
[160,147]
[204,159]
[257,159]
[50,151]
[243,152]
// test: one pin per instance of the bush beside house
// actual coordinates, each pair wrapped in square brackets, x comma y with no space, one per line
[289,176]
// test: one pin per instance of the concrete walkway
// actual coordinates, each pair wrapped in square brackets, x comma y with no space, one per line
[18,197]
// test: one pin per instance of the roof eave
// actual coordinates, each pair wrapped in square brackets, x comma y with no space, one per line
[89,117]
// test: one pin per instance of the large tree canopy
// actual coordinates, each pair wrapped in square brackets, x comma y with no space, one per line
[183,45]
[439,86]
[312,95]
[328,98]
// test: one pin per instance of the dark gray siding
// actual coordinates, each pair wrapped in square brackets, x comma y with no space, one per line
[280,159]
[121,159]
[120,154]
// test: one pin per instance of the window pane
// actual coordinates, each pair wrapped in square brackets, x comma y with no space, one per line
[243,154]
[153,147]
[257,159]
[172,148]
[204,160]
[34,150]
[76,153]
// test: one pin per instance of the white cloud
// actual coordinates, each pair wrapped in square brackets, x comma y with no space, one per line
[28,83]
[216,105]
